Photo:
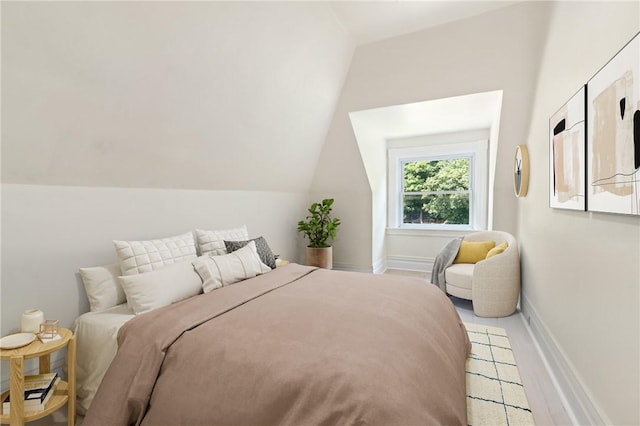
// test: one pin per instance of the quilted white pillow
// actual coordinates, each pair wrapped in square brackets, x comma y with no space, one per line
[213,241]
[145,256]
[152,290]
[218,271]
[102,286]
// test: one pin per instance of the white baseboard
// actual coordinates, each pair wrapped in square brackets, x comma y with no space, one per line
[573,394]
[380,266]
[351,268]
[410,263]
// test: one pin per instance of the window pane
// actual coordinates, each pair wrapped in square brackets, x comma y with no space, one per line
[436,175]
[436,179]
[451,209]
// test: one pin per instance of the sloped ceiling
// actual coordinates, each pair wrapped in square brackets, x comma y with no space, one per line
[369,21]
[202,95]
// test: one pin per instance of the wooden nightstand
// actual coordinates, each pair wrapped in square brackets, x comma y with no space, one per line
[281,262]
[65,392]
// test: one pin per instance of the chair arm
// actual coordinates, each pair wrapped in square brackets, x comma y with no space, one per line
[495,286]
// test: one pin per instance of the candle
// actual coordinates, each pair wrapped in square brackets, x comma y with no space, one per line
[31,320]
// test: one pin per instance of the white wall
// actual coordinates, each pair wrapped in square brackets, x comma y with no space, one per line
[581,275]
[498,50]
[48,232]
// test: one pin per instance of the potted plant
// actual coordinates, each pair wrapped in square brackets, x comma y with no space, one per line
[318,227]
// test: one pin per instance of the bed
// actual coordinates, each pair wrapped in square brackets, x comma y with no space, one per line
[297,345]
[96,337]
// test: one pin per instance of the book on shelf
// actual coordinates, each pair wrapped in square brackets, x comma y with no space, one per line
[38,389]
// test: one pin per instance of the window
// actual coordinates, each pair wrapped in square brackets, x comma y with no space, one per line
[436,191]
[438,187]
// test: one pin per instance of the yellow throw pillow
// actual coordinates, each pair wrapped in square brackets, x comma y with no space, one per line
[473,251]
[497,249]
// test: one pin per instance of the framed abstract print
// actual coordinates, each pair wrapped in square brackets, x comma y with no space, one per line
[613,135]
[567,155]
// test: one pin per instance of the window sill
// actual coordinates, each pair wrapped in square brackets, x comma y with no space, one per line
[422,232]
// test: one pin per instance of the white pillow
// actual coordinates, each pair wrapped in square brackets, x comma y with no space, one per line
[213,241]
[145,256]
[102,286]
[152,290]
[218,271]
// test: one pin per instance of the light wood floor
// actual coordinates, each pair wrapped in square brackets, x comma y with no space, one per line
[543,397]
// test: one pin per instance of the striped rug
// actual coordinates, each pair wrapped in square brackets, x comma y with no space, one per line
[495,395]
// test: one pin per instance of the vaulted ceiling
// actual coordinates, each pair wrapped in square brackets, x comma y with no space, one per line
[202,95]
[369,21]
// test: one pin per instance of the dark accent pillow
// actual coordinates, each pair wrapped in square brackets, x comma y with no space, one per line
[265,253]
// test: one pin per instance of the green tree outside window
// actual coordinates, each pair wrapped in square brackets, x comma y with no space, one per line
[436,191]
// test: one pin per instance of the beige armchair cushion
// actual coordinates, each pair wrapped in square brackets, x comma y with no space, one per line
[458,278]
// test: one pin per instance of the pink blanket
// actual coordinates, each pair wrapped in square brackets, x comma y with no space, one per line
[299,346]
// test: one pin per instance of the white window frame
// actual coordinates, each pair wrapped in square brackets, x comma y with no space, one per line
[478,183]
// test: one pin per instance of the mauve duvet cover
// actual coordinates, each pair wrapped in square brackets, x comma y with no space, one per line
[297,346]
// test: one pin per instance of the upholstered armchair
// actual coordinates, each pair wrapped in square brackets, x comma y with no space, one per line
[493,284]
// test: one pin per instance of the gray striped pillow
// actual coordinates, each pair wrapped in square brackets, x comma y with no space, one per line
[264,251]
